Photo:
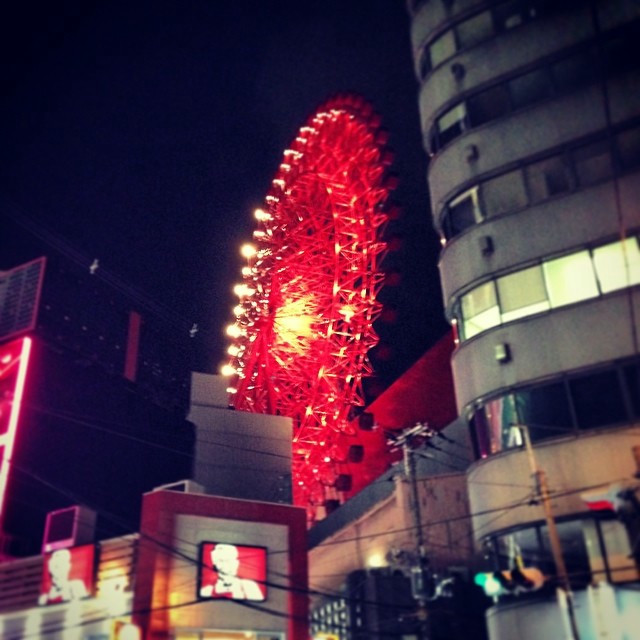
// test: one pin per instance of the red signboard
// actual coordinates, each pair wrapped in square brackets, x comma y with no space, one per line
[232,571]
[67,574]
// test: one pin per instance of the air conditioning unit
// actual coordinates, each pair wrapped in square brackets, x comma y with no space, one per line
[68,527]
[182,486]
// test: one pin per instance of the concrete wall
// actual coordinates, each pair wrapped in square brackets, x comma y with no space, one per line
[387,527]
[523,133]
[238,454]
[568,338]
[443,87]
[561,224]
[572,465]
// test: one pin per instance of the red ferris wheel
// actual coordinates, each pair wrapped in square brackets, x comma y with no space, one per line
[308,298]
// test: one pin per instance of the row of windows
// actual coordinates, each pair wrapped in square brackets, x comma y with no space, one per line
[571,169]
[594,550]
[480,27]
[553,283]
[580,402]
[551,79]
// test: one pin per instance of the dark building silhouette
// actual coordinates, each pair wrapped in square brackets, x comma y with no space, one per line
[103,413]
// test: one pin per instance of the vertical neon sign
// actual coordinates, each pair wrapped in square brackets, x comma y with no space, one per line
[14,359]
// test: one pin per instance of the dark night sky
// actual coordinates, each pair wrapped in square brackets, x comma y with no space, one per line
[145,133]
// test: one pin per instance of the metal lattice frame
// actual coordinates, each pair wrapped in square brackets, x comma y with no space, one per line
[308,301]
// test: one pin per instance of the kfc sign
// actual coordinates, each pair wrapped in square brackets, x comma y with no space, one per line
[67,575]
[232,571]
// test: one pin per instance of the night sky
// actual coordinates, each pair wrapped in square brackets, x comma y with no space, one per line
[145,133]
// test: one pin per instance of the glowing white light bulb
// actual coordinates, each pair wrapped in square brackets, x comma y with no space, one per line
[242,290]
[234,331]
[227,370]
[248,250]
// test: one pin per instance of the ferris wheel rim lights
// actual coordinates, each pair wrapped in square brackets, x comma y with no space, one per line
[308,298]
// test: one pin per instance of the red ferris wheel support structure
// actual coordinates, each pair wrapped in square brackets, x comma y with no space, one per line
[304,322]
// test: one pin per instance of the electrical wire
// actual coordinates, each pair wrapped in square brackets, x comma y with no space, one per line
[84,421]
[128,436]
[169,548]
[64,248]
[174,551]
[91,425]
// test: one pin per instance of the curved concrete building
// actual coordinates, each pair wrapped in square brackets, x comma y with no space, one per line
[530,113]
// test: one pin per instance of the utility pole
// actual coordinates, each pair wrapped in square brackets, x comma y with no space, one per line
[542,492]
[419,572]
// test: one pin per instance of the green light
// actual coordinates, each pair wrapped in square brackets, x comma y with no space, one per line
[489,583]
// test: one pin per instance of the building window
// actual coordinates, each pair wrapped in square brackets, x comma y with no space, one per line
[442,49]
[424,63]
[632,382]
[480,310]
[462,212]
[509,15]
[522,293]
[616,56]
[548,178]
[481,27]
[535,85]
[451,124]
[475,30]
[574,71]
[617,265]
[628,147]
[618,552]
[504,194]
[598,400]
[554,283]
[570,279]
[522,545]
[574,550]
[554,409]
[545,410]
[530,88]
[590,164]
[593,163]
[488,105]
[595,549]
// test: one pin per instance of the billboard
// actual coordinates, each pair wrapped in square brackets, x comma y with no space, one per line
[67,574]
[14,359]
[232,571]
[19,298]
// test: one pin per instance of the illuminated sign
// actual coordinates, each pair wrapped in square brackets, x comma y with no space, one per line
[123,630]
[232,571]
[14,359]
[67,574]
